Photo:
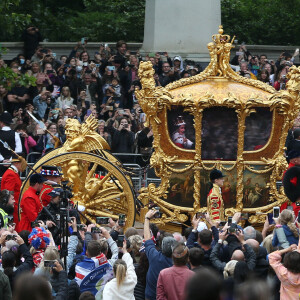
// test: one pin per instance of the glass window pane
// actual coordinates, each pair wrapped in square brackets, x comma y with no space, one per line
[258,129]
[181,128]
[219,133]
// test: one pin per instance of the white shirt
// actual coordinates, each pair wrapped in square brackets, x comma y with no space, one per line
[18,148]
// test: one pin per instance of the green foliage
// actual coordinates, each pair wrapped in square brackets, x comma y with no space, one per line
[274,22]
[260,22]
[9,79]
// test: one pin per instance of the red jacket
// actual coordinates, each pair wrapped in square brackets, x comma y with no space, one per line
[44,197]
[31,206]
[11,181]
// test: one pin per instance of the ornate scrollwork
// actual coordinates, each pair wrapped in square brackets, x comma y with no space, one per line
[193,96]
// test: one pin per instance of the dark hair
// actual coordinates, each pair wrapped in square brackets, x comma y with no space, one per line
[79,248]
[205,237]
[187,232]
[154,229]
[205,284]
[120,43]
[80,56]
[263,55]
[180,255]
[130,231]
[259,237]
[292,262]
[8,262]
[196,256]
[87,296]
[94,248]
[24,235]
[252,290]
[142,268]
[241,272]
[29,287]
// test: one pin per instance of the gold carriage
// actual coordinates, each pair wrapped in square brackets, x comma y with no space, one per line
[232,123]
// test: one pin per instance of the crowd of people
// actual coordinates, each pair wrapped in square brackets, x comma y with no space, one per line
[211,259]
[103,84]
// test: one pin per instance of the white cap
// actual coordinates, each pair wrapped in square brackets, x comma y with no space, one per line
[201,226]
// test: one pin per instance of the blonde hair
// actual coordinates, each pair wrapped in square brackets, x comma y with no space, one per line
[136,242]
[287,218]
[120,269]
[51,253]
[229,269]
[267,243]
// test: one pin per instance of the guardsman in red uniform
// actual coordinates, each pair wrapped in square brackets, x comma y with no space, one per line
[53,178]
[31,205]
[291,182]
[11,181]
[215,204]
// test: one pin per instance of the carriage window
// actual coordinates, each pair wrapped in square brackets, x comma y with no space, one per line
[219,133]
[181,128]
[258,129]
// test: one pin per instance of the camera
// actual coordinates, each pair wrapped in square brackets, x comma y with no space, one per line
[102,220]
[122,220]
[158,214]
[49,263]
[96,230]
[200,215]
[10,237]
[233,228]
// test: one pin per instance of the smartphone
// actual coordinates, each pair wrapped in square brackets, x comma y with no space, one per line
[54,55]
[122,220]
[85,64]
[111,68]
[120,240]
[161,53]
[222,223]
[35,224]
[290,208]
[200,215]
[49,71]
[96,230]
[270,218]
[83,40]
[97,65]
[239,53]
[133,52]
[298,218]
[276,211]
[49,263]
[229,220]
[109,107]
[121,111]
[80,226]
[102,220]
[125,125]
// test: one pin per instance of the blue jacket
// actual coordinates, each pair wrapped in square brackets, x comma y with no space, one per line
[157,262]
[289,236]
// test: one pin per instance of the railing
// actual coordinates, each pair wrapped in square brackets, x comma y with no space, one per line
[139,174]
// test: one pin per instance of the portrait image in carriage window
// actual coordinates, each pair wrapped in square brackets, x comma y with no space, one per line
[181,128]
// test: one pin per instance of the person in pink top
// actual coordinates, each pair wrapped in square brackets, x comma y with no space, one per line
[172,281]
[288,273]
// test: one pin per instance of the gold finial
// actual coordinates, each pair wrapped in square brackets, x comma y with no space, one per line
[221,29]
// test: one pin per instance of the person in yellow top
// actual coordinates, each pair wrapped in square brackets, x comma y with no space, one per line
[215,204]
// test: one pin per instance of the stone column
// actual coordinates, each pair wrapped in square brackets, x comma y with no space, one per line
[181,27]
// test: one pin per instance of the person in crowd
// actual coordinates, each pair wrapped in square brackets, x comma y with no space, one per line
[9,260]
[96,261]
[172,281]
[168,75]
[157,260]
[10,137]
[101,130]
[30,203]
[28,142]
[11,181]
[65,98]
[7,202]
[286,220]
[3,99]
[288,272]
[205,284]
[237,255]
[196,256]
[31,38]
[122,286]
[203,238]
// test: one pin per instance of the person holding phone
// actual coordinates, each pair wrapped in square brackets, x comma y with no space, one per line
[286,220]
[122,286]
